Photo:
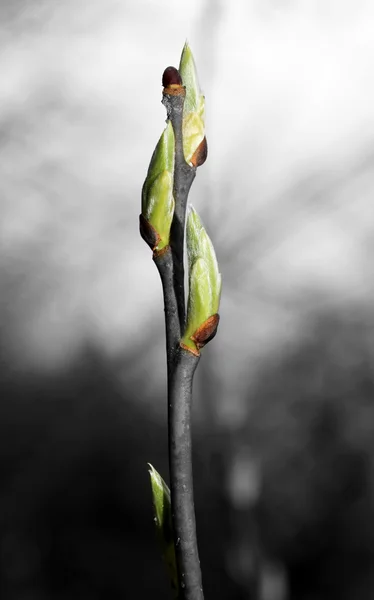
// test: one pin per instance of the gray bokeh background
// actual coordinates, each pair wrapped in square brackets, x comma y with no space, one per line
[283,410]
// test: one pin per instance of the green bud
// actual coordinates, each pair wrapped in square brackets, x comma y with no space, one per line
[204,286]
[157,193]
[163,522]
[193,111]
[187,70]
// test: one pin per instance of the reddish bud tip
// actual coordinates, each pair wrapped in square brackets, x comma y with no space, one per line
[171,76]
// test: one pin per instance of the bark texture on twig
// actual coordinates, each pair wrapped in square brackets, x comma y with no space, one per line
[181,368]
[183,178]
[181,479]
[165,266]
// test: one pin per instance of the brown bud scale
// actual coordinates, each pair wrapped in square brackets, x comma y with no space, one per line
[148,232]
[206,331]
[185,347]
[200,155]
[174,90]
[158,253]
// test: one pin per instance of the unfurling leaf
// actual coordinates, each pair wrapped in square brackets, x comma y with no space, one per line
[164,528]
[193,111]
[157,193]
[204,286]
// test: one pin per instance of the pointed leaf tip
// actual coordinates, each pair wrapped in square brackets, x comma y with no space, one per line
[194,146]
[188,72]
[163,522]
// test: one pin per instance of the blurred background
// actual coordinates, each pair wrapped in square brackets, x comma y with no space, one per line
[283,402]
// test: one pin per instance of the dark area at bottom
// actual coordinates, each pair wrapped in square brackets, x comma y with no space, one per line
[75,502]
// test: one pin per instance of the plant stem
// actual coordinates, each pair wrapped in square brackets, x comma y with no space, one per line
[181,480]
[183,178]
[165,266]
[181,369]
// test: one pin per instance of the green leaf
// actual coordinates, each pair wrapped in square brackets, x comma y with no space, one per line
[204,285]
[162,160]
[199,301]
[188,72]
[157,192]
[193,134]
[160,207]
[163,522]
[194,105]
[199,245]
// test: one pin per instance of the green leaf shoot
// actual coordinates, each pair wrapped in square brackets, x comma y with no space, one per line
[204,279]
[163,523]
[194,105]
[157,192]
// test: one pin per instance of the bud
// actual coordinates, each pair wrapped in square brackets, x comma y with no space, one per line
[170,77]
[164,528]
[204,287]
[157,193]
[193,111]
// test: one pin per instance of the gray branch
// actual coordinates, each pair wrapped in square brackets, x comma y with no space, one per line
[181,480]
[183,178]
[181,369]
[165,266]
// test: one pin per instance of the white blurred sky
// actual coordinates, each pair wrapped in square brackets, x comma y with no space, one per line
[286,193]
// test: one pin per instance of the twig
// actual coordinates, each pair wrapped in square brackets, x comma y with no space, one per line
[183,179]
[181,149]
[180,382]
[164,263]
[180,461]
